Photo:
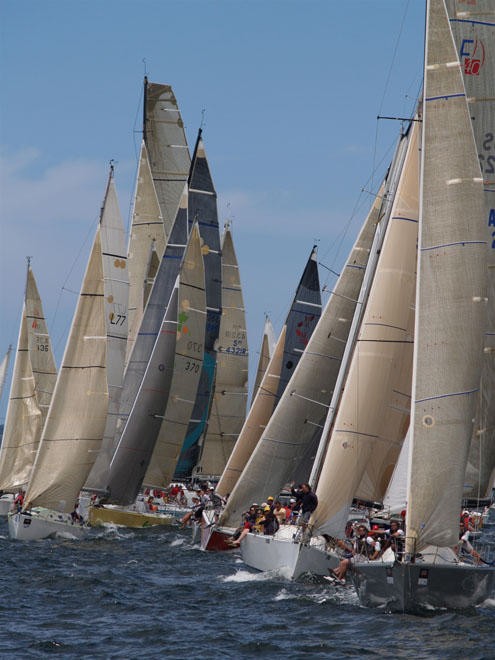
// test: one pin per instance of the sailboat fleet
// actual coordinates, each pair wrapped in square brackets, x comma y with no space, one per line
[152,387]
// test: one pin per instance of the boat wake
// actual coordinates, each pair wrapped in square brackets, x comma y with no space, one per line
[247,576]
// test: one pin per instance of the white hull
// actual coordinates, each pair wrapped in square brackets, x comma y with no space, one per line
[6,504]
[285,554]
[43,524]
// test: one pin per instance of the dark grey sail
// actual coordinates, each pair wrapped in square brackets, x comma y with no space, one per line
[133,453]
[203,210]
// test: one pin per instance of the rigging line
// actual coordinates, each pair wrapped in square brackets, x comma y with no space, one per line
[387,81]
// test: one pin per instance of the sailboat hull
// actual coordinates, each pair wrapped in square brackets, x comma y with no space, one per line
[113,515]
[6,504]
[418,588]
[286,554]
[44,524]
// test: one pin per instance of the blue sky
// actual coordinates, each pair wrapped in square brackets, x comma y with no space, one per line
[290,91]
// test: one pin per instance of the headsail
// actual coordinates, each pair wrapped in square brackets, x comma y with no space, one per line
[4,367]
[268,342]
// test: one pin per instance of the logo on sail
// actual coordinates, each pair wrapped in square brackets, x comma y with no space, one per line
[472,56]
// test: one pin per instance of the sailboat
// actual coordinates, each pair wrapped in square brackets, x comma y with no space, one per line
[316,388]
[75,424]
[32,385]
[237,478]
[450,322]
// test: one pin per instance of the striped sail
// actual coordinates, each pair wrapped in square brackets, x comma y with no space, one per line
[187,366]
[168,152]
[116,290]
[228,408]
[76,419]
[268,463]
[259,414]
[203,210]
[373,412]
[451,293]
[147,232]
[473,27]
[33,382]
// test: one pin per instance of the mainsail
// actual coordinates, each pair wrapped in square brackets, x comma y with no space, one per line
[228,407]
[33,382]
[473,29]
[163,132]
[187,366]
[450,300]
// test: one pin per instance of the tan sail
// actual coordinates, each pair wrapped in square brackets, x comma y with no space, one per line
[4,367]
[74,427]
[259,414]
[266,351]
[147,231]
[373,414]
[187,366]
[167,149]
[33,382]
[473,27]
[116,291]
[451,297]
[228,407]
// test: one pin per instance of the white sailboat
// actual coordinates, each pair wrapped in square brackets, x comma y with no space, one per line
[336,340]
[32,385]
[75,424]
[450,321]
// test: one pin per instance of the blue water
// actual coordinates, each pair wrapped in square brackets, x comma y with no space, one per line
[153,594]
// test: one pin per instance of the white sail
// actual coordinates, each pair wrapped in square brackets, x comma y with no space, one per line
[473,28]
[451,295]
[116,290]
[228,406]
[259,414]
[187,366]
[76,419]
[33,382]
[395,499]
[373,414]
[268,342]
[4,367]
[147,232]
